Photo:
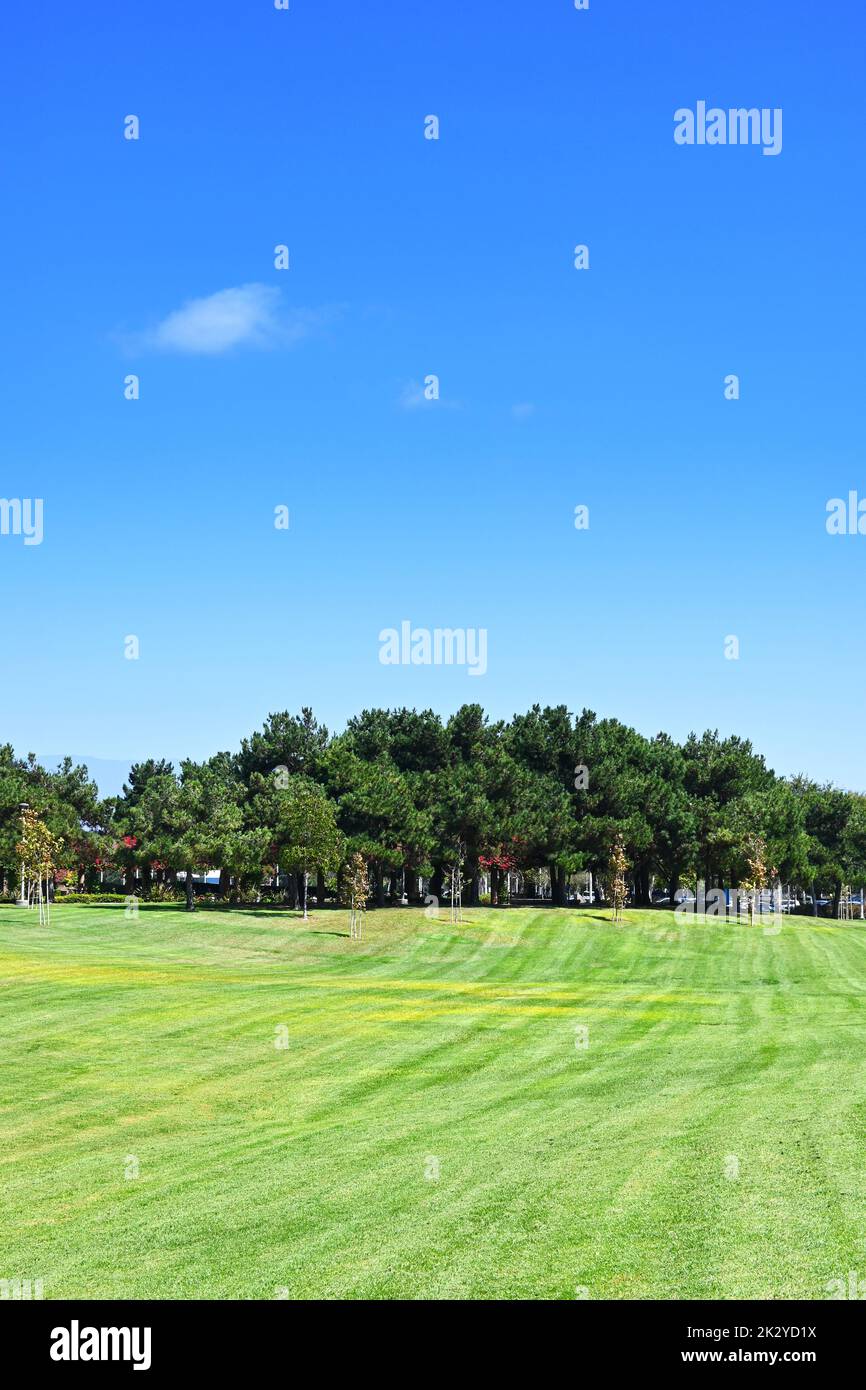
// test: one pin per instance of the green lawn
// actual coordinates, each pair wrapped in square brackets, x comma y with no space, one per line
[709,1142]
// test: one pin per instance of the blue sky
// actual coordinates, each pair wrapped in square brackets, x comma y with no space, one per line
[410,257]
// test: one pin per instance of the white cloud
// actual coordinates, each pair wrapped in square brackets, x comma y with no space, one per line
[412,396]
[248,316]
[523,410]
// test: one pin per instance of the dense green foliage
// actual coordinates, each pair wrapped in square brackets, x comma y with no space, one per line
[546,791]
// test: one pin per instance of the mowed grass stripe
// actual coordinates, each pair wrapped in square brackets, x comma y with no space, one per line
[304,1168]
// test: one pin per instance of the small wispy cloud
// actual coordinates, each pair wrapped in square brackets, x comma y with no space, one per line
[523,410]
[412,396]
[251,316]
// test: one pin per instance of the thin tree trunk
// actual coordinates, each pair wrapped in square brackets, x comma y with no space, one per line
[557,885]
[642,889]
[190,892]
[320,889]
[436,882]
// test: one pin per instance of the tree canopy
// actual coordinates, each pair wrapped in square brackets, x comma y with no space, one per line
[547,792]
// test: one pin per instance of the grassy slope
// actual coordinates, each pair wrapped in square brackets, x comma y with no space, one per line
[304,1168]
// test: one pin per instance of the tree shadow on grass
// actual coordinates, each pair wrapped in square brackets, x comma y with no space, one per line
[294,915]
